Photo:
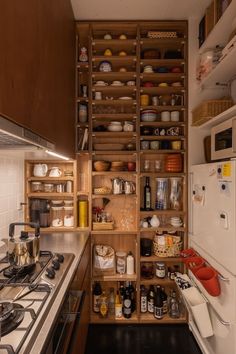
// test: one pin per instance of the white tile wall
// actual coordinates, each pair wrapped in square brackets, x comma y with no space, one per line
[11,190]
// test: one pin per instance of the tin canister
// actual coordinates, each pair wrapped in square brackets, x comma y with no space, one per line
[144,100]
[83,213]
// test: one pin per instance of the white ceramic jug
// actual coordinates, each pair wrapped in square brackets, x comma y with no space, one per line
[40,170]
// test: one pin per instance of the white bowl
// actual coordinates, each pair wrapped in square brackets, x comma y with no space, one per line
[148,117]
[114,128]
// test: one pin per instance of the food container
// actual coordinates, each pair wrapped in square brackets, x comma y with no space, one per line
[69,216]
[144,100]
[48,187]
[147,270]
[121,262]
[83,213]
[57,203]
[36,187]
[57,216]
[160,270]
[148,115]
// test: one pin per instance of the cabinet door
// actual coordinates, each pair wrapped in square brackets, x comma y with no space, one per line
[37,61]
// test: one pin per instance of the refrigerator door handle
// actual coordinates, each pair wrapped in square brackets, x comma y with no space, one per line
[190,231]
[223,278]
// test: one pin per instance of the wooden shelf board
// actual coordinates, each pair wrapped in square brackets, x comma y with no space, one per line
[115,152]
[114,102]
[162,90]
[164,41]
[163,228]
[161,76]
[161,174]
[110,173]
[49,195]
[149,318]
[114,74]
[160,259]
[165,108]
[114,134]
[116,277]
[116,116]
[126,59]
[164,62]
[161,124]
[162,212]
[113,196]
[113,232]
[155,280]
[165,137]
[97,319]
[114,42]
[160,151]
[51,179]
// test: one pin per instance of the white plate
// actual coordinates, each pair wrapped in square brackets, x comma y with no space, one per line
[125,98]
[121,84]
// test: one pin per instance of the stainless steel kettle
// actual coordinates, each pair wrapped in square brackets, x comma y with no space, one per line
[23,250]
[117,185]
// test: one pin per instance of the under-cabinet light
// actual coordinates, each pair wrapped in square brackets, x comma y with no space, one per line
[57,155]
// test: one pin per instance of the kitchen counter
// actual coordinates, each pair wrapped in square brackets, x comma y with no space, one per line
[64,242]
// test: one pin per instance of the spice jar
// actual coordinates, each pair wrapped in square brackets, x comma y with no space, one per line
[36,186]
[68,216]
[160,270]
[57,216]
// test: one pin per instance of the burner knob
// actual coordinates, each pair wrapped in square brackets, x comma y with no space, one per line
[50,273]
[60,258]
[55,264]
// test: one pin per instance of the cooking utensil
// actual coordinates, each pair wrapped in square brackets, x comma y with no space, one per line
[24,249]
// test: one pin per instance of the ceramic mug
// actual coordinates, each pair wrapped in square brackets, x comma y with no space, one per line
[174,116]
[98,95]
[144,100]
[145,145]
[155,145]
[176,145]
[40,170]
[55,172]
[165,116]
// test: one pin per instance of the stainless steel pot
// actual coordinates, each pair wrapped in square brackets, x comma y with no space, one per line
[23,250]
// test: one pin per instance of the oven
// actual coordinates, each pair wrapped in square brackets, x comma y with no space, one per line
[223,140]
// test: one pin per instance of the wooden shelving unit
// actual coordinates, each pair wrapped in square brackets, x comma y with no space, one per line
[114,105]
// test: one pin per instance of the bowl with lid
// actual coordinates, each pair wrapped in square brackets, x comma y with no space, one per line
[114,127]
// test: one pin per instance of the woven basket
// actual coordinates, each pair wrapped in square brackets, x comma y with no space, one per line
[167,250]
[209,109]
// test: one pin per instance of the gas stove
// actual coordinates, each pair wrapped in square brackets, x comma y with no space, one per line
[26,294]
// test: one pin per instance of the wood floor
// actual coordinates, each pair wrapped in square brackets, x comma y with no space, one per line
[136,339]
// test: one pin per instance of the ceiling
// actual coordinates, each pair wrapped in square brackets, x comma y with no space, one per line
[135,10]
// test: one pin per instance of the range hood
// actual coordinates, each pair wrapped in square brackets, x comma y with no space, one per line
[14,136]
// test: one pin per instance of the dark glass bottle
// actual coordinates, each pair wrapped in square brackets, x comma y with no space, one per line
[147,195]
[143,299]
[151,299]
[127,304]
[158,304]
[164,299]
[132,295]
[97,292]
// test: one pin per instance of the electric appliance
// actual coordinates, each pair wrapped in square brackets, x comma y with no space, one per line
[223,140]
[213,236]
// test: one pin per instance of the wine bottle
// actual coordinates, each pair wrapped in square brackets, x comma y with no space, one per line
[127,304]
[151,299]
[97,291]
[164,299]
[147,195]
[158,304]
[143,299]
[111,302]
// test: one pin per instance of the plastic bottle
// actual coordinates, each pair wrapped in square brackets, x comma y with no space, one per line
[130,264]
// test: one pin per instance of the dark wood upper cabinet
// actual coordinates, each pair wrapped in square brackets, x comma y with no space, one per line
[37,61]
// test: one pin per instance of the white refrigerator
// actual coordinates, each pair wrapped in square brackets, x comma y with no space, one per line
[212,234]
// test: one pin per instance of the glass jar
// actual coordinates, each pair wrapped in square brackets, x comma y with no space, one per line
[176,193]
[36,187]
[48,187]
[147,271]
[160,270]
[121,262]
[161,194]
[57,216]
[69,216]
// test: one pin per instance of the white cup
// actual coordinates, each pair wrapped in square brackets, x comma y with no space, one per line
[165,116]
[98,95]
[174,116]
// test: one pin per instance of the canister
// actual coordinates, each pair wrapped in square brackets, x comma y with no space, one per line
[120,262]
[160,270]
[83,213]
[144,100]
[68,216]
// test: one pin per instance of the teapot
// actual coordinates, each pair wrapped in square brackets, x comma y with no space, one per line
[40,170]
[55,172]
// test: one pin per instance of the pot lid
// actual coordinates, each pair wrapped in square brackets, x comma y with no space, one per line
[23,237]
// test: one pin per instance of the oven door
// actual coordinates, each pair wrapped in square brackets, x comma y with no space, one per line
[67,322]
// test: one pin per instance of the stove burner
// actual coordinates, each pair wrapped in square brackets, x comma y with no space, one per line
[18,272]
[11,315]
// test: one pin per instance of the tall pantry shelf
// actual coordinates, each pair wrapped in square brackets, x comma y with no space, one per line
[131,126]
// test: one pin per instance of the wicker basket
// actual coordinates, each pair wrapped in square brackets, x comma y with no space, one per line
[168,250]
[209,109]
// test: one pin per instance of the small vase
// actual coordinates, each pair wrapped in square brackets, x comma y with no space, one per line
[83,54]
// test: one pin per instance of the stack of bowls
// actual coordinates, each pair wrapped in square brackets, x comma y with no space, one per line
[101,166]
[149,115]
[148,69]
[173,163]
[176,221]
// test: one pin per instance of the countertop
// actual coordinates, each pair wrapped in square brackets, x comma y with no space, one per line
[65,242]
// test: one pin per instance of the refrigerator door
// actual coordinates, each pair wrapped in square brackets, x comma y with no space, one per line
[213,211]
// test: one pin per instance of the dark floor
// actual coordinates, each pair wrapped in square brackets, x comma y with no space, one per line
[136,339]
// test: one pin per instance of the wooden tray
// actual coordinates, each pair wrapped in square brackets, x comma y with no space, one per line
[103,225]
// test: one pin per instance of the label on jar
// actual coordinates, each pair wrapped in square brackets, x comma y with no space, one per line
[160,273]
[120,265]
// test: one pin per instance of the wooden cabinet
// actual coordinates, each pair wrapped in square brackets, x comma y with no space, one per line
[51,200]
[37,61]
[129,77]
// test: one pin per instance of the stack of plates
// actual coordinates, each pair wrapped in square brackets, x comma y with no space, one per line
[117,166]
[149,115]
[176,221]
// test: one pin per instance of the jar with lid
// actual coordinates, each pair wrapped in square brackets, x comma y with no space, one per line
[57,216]
[160,270]
[68,216]
[48,187]
[120,262]
[36,187]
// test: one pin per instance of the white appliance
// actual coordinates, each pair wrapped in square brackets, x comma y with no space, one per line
[213,236]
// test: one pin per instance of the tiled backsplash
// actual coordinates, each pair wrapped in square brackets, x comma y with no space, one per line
[11,190]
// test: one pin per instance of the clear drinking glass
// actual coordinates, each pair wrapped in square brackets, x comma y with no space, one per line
[161,194]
